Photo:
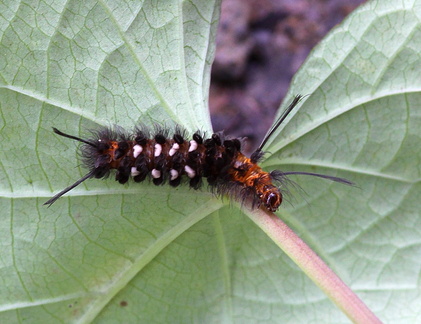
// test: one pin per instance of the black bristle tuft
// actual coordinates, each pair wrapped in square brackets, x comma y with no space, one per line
[176,182]
[217,139]
[198,138]
[257,156]
[160,139]
[158,181]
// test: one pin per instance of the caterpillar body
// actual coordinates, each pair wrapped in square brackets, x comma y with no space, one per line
[170,159]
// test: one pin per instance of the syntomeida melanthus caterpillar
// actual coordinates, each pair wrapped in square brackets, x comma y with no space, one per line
[160,157]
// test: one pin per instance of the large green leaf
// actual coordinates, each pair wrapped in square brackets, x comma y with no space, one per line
[362,117]
[140,253]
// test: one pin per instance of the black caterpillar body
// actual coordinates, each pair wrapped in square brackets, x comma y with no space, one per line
[170,159]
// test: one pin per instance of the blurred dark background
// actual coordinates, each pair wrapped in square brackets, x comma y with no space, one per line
[260,45]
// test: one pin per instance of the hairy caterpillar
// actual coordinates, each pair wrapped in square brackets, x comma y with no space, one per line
[160,157]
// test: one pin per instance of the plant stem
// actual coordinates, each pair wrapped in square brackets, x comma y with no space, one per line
[314,267]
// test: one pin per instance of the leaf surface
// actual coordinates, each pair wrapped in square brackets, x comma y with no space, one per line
[140,253]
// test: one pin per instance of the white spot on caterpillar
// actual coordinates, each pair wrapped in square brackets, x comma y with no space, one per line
[193,146]
[190,172]
[158,150]
[174,174]
[173,149]
[137,149]
[156,174]
[134,172]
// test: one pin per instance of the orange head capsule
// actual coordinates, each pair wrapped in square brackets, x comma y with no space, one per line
[271,198]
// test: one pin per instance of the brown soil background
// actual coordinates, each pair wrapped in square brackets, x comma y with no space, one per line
[260,45]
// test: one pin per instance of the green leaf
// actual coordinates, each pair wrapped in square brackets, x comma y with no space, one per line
[361,120]
[140,253]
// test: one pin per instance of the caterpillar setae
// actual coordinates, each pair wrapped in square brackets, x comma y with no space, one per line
[155,155]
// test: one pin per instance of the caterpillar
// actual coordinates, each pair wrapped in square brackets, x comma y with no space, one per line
[162,158]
